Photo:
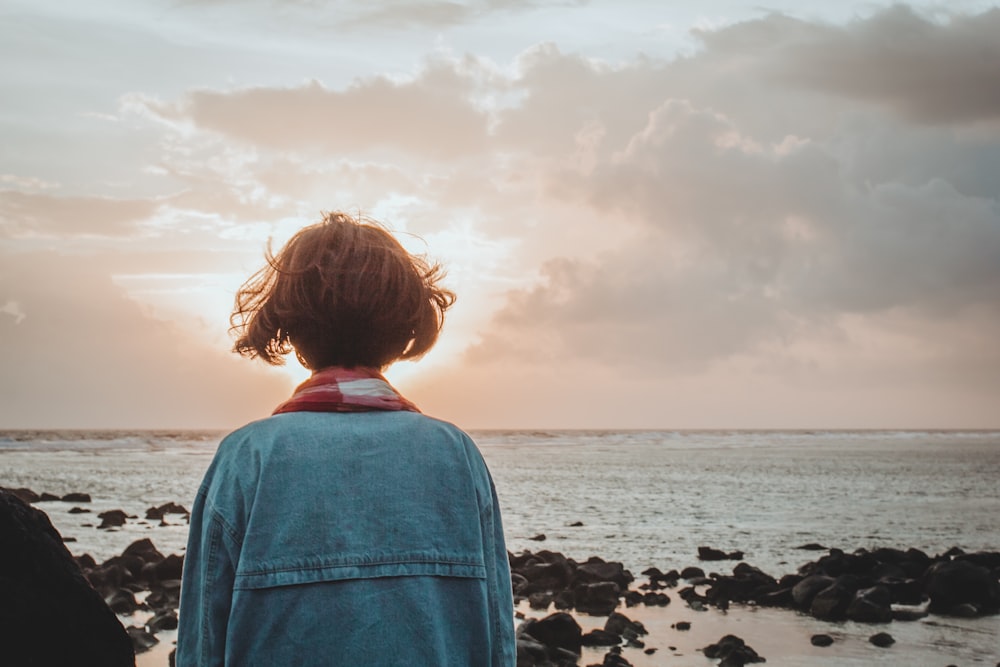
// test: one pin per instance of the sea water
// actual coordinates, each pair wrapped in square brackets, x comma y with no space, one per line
[645,498]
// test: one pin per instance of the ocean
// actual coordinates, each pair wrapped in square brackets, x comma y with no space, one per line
[645,498]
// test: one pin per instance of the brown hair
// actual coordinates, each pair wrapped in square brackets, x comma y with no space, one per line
[342,292]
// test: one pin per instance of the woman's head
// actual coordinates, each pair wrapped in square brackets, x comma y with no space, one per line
[342,292]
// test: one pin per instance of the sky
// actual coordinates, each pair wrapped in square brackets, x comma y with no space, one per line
[714,214]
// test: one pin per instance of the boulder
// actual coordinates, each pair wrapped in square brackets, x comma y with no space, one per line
[49,614]
[732,651]
[112,518]
[710,553]
[598,599]
[870,605]
[804,591]
[76,498]
[558,630]
[882,639]
[949,584]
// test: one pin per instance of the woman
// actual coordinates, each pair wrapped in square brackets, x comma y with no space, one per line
[347,528]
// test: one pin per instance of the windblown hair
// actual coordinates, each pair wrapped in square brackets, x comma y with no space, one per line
[342,292]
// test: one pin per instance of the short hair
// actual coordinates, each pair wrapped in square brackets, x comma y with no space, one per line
[342,292]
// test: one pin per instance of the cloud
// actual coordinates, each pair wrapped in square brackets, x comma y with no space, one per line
[430,116]
[83,355]
[23,213]
[927,71]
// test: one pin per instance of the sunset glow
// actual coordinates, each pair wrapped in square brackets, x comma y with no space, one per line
[709,215]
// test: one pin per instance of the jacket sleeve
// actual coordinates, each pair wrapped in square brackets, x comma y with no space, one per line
[499,586]
[206,588]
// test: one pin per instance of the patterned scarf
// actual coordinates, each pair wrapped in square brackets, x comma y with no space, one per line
[337,389]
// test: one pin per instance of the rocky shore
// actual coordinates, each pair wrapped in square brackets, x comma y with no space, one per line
[558,595]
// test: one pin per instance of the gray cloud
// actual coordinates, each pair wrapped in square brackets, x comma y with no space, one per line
[937,72]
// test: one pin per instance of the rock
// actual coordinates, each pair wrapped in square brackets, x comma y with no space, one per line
[733,652]
[575,524]
[831,603]
[949,584]
[613,658]
[112,518]
[600,638]
[692,573]
[681,625]
[76,498]
[812,546]
[540,537]
[870,605]
[141,640]
[599,599]
[164,620]
[531,652]
[882,639]
[166,508]
[620,624]
[48,498]
[540,601]
[79,510]
[558,630]
[145,550]
[596,570]
[821,640]
[122,601]
[169,568]
[24,494]
[804,591]
[709,553]
[51,615]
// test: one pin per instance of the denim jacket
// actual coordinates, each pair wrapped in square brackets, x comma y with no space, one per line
[358,539]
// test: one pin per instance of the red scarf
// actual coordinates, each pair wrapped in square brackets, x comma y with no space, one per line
[337,389]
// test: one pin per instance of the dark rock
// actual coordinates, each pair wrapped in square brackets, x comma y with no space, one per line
[812,546]
[804,591]
[692,572]
[882,639]
[733,652]
[870,605]
[558,630]
[76,498]
[144,550]
[166,508]
[540,537]
[122,601]
[112,518]
[821,640]
[952,583]
[831,603]
[169,568]
[79,510]
[598,599]
[596,570]
[141,640]
[600,638]
[531,652]
[710,553]
[44,592]
[540,600]
[681,625]
[613,658]
[656,599]
[620,624]
[165,620]
[575,524]
[26,495]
